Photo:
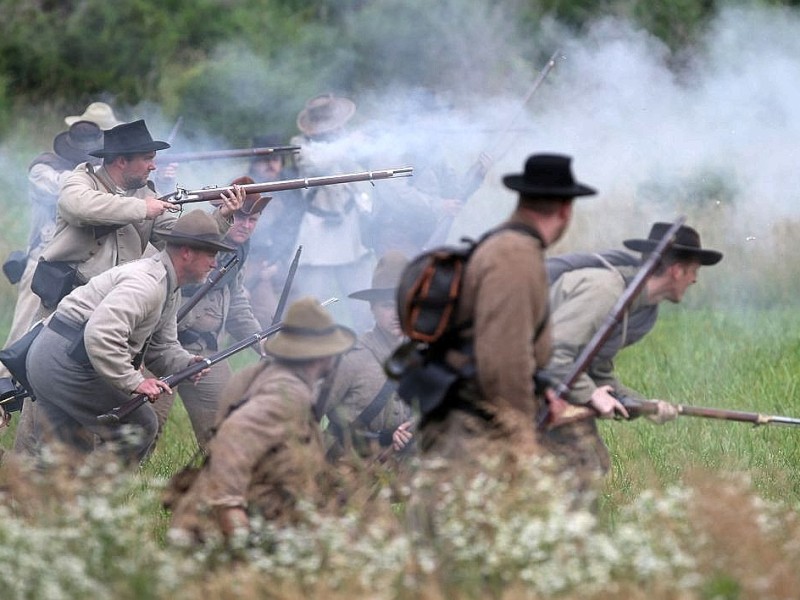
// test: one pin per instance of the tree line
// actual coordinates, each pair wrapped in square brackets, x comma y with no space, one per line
[235,61]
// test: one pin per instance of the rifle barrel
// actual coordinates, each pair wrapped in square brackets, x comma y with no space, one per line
[648,407]
[116,414]
[287,287]
[178,157]
[735,415]
[183,196]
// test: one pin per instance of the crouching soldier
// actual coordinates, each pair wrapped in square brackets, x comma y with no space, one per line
[363,407]
[267,452]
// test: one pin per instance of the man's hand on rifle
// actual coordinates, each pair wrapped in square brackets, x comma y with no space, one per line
[231,201]
[153,388]
[156,207]
[665,411]
[197,376]
[401,436]
[606,405]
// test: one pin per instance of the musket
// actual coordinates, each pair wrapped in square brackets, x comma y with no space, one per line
[178,157]
[182,196]
[559,411]
[214,278]
[287,286]
[477,172]
[636,407]
[115,415]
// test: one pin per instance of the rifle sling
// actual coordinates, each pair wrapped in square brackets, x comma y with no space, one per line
[378,403]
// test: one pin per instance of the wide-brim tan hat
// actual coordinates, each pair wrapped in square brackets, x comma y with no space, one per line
[325,113]
[197,229]
[309,332]
[385,278]
[98,113]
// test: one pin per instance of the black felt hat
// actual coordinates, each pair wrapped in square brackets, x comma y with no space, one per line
[547,176]
[74,144]
[128,138]
[686,244]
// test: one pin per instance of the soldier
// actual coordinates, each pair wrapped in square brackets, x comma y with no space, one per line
[267,452]
[363,408]
[272,243]
[82,364]
[225,308]
[107,216]
[504,318]
[45,176]
[335,258]
[581,297]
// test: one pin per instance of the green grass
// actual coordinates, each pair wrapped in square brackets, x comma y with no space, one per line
[724,494]
[744,360]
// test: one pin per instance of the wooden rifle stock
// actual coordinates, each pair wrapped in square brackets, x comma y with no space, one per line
[182,196]
[180,157]
[118,413]
[560,412]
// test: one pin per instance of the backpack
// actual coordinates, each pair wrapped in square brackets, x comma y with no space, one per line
[430,286]
[427,304]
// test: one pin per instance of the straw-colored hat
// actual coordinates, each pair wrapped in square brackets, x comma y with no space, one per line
[98,113]
[325,113]
[74,144]
[197,229]
[309,332]
[384,279]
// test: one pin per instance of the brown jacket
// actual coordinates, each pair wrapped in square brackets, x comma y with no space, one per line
[505,295]
[359,378]
[266,455]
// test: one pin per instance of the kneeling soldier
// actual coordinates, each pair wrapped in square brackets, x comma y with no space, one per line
[267,452]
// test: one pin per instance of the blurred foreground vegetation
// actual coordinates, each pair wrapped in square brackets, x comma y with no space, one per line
[694,509]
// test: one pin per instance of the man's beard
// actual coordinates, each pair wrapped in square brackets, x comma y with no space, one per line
[134,183]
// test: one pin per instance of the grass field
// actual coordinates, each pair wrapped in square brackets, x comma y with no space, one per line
[695,508]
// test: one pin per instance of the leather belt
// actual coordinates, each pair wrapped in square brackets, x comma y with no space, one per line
[65,329]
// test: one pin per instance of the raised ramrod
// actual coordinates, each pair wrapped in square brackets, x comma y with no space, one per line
[118,413]
[182,196]
[181,157]
[636,408]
